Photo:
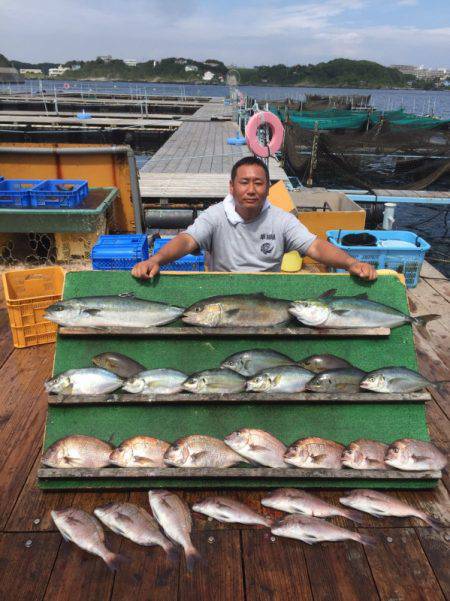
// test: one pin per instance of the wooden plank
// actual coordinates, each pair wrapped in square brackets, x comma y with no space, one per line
[148,575]
[229,332]
[257,397]
[233,472]
[275,568]
[400,567]
[436,547]
[219,577]
[6,344]
[26,563]
[339,571]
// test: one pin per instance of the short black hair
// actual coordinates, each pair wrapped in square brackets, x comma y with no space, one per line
[252,160]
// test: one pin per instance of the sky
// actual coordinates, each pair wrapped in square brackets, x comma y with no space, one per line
[241,33]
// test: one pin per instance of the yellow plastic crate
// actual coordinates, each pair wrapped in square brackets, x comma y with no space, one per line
[28,292]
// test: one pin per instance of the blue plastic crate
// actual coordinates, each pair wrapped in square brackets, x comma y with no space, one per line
[186,263]
[119,252]
[401,251]
[16,192]
[67,193]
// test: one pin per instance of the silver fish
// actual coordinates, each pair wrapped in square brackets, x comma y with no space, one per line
[140,451]
[124,310]
[156,381]
[381,505]
[248,363]
[315,453]
[118,364]
[328,311]
[201,451]
[319,363]
[88,380]
[412,455]
[394,379]
[174,517]
[294,500]
[78,451]
[344,379]
[238,310]
[258,446]
[364,454]
[136,524]
[215,381]
[286,378]
[227,510]
[85,531]
[314,530]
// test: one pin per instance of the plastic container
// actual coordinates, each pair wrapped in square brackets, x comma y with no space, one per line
[186,263]
[28,293]
[59,193]
[16,192]
[119,251]
[401,251]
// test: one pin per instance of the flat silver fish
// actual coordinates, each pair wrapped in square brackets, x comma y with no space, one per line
[248,363]
[364,454]
[412,455]
[228,510]
[88,380]
[286,378]
[319,363]
[78,451]
[315,452]
[201,451]
[211,381]
[156,381]
[118,364]
[394,379]
[343,379]
[257,446]
[314,530]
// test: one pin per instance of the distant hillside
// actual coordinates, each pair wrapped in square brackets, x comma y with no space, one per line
[43,66]
[8,74]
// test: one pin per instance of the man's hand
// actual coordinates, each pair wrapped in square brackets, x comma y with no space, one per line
[365,271]
[146,270]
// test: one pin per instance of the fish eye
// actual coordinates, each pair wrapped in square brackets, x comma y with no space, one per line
[395,449]
[57,308]
[193,381]
[198,309]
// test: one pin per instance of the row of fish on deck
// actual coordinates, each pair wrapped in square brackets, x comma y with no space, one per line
[247,445]
[253,370]
[171,525]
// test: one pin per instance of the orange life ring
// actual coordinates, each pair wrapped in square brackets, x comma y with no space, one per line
[66,86]
[276,130]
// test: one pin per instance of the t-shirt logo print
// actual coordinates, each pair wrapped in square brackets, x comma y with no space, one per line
[266,248]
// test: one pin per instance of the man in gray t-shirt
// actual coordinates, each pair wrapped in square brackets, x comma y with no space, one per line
[245,232]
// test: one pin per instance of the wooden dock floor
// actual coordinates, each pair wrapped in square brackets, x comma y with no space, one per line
[410,562]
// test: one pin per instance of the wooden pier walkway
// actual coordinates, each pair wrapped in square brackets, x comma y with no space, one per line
[62,121]
[409,562]
[198,151]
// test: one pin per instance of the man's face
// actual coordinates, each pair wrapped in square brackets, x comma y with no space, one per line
[250,187]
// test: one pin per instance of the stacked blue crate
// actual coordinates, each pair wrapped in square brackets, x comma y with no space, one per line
[119,252]
[16,192]
[186,263]
[60,193]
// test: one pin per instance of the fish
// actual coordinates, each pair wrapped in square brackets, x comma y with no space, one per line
[283,379]
[201,451]
[344,379]
[140,451]
[257,446]
[319,363]
[394,379]
[415,455]
[328,311]
[136,524]
[249,363]
[294,500]
[315,453]
[215,381]
[364,454]
[238,310]
[86,532]
[156,381]
[314,530]
[87,380]
[118,364]
[230,511]
[174,517]
[123,310]
[78,451]
[382,505]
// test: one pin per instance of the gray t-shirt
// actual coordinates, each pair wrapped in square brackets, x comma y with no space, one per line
[258,245]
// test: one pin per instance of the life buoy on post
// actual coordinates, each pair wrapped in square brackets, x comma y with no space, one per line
[66,86]
[276,131]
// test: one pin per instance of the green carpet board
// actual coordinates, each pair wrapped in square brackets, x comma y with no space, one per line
[287,421]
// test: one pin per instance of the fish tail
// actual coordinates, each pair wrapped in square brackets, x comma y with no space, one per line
[441,385]
[172,552]
[115,560]
[433,522]
[364,539]
[422,320]
[353,515]
[192,557]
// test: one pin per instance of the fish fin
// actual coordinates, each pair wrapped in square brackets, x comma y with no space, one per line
[419,457]
[111,438]
[115,560]
[231,312]
[362,296]
[92,311]
[370,541]
[318,458]
[433,522]
[256,447]
[127,295]
[192,557]
[341,311]
[143,460]
[68,389]
[258,295]
[372,461]
[350,514]
[277,379]
[422,321]
[196,456]
[172,553]
[440,386]
[328,293]
[123,518]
